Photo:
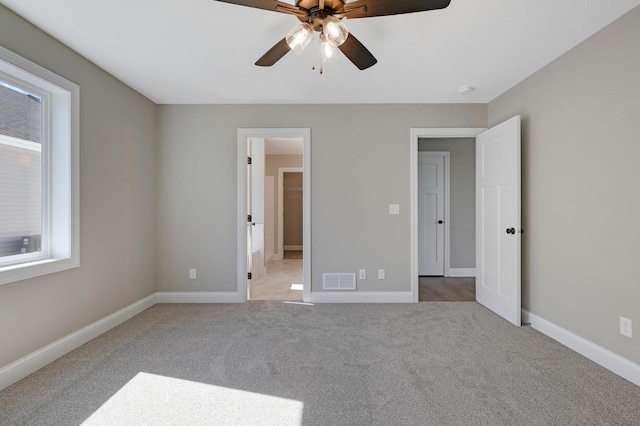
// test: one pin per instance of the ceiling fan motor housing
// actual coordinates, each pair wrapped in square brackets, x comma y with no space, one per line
[317,17]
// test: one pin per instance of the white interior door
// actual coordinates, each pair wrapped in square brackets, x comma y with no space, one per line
[430,214]
[257,205]
[498,231]
[249,219]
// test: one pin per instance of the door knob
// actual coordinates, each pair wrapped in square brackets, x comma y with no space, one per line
[440,221]
[511,231]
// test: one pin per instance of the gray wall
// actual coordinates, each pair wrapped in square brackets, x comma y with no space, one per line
[463,196]
[117,205]
[581,185]
[359,165]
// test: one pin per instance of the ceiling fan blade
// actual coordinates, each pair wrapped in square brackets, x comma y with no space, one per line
[272,5]
[370,8]
[274,54]
[357,53]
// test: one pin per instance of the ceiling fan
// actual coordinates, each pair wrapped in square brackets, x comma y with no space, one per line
[325,17]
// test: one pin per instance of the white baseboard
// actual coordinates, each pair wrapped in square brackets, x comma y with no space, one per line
[604,357]
[360,297]
[31,363]
[462,272]
[199,297]
[292,247]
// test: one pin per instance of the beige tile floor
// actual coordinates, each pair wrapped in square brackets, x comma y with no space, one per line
[276,283]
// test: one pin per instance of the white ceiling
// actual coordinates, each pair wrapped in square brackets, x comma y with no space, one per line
[203,51]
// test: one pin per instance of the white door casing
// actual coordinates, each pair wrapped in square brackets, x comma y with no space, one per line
[498,226]
[431,213]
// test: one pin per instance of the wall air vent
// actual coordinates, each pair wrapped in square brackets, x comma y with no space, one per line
[338,281]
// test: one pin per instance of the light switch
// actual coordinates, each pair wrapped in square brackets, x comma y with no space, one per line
[394,208]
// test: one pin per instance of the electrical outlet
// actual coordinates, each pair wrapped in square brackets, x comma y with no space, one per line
[362,274]
[192,274]
[381,274]
[625,327]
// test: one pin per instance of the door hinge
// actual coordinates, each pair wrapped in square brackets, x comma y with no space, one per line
[249,275]
[248,218]
[248,160]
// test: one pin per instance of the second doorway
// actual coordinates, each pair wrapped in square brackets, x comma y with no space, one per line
[282,278]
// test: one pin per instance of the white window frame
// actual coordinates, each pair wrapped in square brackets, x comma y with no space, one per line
[60,147]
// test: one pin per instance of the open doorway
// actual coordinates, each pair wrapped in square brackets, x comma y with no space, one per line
[497,211]
[277,177]
[446,219]
[282,278]
[445,214]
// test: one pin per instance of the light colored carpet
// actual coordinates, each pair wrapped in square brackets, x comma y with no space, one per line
[158,400]
[277,363]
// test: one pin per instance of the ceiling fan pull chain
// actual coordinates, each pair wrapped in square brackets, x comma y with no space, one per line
[313,61]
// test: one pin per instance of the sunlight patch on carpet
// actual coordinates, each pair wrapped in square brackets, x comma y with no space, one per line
[296,287]
[154,400]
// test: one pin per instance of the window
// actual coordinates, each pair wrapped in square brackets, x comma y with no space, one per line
[39,229]
[22,217]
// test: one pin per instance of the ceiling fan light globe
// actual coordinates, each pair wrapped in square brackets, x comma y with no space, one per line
[335,31]
[328,52]
[299,37]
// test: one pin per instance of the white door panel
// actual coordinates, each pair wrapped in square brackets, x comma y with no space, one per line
[498,219]
[248,188]
[429,173]
[430,214]
[428,234]
[257,205]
